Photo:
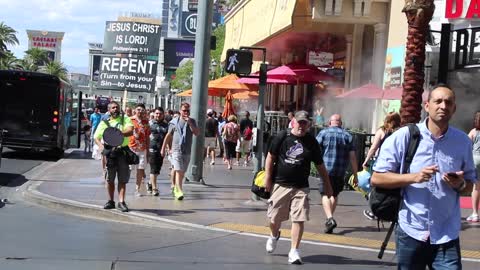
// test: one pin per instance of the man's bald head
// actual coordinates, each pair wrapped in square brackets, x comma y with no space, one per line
[336,120]
[440,87]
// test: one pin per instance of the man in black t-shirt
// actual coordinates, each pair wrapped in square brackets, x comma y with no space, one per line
[158,131]
[244,144]
[292,155]
[211,132]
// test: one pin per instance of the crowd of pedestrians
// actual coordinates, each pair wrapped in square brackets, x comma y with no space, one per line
[445,165]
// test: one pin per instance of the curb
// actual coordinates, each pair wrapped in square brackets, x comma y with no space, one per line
[136,218]
[81,209]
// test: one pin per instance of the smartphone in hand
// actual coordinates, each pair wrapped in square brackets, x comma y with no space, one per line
[452,174]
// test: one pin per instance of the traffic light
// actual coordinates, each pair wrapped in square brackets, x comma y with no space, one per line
[239,62]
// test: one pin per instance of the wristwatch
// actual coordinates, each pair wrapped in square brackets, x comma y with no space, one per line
[462,186]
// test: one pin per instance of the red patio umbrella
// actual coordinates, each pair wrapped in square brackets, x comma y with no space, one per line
[368,91]
[299,72]
[393,93]
[228,109]
[269,81]
[397,92]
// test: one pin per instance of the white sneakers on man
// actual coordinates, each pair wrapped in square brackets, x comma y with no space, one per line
[294,257]
[272,242]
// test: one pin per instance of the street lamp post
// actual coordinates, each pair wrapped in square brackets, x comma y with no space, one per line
[200,88]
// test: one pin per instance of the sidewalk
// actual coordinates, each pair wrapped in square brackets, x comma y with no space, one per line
[224,203]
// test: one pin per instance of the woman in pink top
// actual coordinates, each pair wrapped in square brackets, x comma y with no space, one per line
[231,134]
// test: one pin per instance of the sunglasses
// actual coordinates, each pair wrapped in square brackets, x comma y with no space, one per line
[185,110]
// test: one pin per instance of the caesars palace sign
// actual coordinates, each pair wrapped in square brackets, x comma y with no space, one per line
[454,9]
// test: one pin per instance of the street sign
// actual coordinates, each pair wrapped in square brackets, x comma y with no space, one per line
[189,24]
[239,62]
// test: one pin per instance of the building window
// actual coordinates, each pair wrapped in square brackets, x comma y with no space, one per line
[362,8]
[333,7]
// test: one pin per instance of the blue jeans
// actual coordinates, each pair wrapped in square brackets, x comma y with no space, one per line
[413,254]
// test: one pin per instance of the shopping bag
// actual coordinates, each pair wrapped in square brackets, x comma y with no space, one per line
[363,185]
[258,185]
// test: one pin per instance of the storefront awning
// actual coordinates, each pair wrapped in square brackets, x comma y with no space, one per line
[256,20]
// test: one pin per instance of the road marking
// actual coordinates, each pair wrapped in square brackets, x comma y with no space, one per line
[328,239]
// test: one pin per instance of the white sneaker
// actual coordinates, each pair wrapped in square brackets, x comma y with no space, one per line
[272,243]
[294,257]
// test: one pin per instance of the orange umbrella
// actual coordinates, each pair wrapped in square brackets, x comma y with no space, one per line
[220,87]
[245,95]
[228,109]
[236,95]
[228,83]
[186,93]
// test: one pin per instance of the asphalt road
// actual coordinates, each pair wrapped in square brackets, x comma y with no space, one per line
[36,238]
[33,237]
[16,163]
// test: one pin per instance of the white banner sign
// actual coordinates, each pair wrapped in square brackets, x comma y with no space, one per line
[320,59]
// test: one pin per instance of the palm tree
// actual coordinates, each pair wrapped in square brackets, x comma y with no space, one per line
[57,69]
[7,37]
[37,56]
[419,14]
[183,76]
[28,65]
[9,61]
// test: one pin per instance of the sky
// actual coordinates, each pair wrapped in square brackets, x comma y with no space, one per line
[82,21]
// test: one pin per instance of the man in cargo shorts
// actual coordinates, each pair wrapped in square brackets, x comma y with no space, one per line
[116,164]
[293,154]
[180,131]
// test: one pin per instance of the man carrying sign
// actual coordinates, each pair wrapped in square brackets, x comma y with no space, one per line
[117,164]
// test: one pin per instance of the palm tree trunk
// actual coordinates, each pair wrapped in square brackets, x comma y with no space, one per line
[419,14]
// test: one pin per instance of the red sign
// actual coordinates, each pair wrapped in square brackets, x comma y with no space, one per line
[46,42]
[454,9]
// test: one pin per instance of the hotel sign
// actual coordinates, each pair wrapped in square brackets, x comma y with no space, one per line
[454,9]
[465,46]
[44,42]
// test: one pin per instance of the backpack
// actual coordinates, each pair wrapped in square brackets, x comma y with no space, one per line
[385,203]
[248,134]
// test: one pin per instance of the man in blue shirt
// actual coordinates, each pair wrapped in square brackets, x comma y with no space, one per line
[95,119]
[337,150]
[429,219]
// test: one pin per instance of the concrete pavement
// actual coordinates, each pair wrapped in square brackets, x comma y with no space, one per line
[74,185]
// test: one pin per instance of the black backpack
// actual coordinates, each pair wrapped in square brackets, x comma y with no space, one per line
[385,203]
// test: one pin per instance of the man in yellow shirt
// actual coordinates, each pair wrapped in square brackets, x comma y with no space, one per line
[117,164]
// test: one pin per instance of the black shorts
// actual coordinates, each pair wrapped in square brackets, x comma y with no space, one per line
[230,149]
[117,168]
[337,185]
[156,161]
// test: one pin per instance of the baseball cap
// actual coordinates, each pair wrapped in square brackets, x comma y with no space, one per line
[301,116]
[209,111]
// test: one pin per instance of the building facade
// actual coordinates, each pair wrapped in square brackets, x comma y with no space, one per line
[463,59]
[345,38]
